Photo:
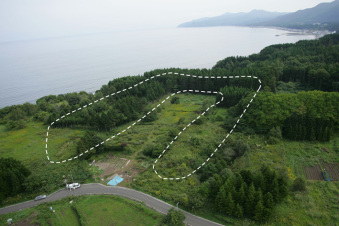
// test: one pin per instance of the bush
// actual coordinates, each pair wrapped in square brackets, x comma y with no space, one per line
[89,140]
[172,132]
[219,118]
[174,217]
[175,100]
[299,184]
[275,132]
[181,120]
[41,116]
[195,141]
[152,150]
[199,121]
[272,140]
[240,148]
[19,124]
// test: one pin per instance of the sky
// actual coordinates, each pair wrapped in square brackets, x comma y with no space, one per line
[30,19]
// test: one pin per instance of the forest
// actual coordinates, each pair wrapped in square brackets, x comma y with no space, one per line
[299,101]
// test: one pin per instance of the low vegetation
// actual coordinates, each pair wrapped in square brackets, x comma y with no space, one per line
[87,210]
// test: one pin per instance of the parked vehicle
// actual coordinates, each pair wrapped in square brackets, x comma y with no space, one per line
[40,197]
[72,186]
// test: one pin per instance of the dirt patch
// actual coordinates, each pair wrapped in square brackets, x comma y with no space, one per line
[314,172]
[27,221]
[111,166]
[133,170]
[119,175]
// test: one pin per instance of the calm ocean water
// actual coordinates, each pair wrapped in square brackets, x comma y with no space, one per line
[35,68]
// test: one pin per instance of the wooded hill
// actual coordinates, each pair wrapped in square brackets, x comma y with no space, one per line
[322,16]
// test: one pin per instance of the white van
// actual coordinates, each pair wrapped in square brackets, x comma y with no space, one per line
[72,186]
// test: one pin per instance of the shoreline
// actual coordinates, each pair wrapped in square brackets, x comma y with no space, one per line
[291,31]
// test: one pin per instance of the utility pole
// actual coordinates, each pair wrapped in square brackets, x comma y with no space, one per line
[177,205]
[129,182]
[71,175]
[94,173]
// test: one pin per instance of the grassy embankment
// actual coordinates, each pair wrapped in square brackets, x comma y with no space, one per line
[87,210]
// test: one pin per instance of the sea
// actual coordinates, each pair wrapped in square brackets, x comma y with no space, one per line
[31,69]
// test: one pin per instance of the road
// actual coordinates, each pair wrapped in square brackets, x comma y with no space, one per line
[96,189]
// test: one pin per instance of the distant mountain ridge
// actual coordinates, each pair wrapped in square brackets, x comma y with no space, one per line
[234,19]
[324,15]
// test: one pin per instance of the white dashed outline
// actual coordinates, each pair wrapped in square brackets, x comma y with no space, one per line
[163,152]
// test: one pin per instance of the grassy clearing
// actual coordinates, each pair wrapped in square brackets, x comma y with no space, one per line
[88,210]
[290,155]
[28,144]
[112,210]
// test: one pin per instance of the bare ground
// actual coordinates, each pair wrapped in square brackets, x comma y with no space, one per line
[111,166]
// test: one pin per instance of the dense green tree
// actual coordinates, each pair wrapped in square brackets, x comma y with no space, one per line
[12,177]
[259,212]
[250,200]
[221,199]
[238,211]
[241,194]
[229,204]
[268,200]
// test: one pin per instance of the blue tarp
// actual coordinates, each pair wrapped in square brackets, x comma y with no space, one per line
[327,176]
[116,180]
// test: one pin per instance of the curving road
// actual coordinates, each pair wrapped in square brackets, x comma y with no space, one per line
[96,189]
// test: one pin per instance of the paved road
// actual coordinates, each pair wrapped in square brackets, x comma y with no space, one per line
[87,189]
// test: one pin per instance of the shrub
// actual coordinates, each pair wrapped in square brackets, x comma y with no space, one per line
[172,132]
[199,121]
[272,140]
[240,148]
[299,184]
[175,100]
[218,118]
[275,132]
[174,217]
[195,141]
[19,124]
[181,120]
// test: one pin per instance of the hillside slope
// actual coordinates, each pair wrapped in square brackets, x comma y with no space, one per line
[234,19]
[322,16]
[322,13]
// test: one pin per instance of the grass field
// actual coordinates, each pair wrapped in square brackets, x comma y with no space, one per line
[28,144]
[87,210]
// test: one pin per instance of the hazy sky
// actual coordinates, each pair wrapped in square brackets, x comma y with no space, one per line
[26,19]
